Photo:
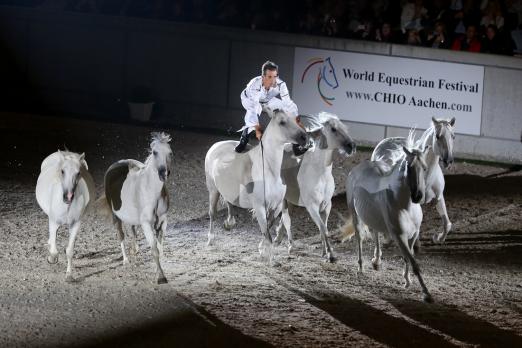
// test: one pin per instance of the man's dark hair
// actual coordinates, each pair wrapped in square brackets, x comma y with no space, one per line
[268,65]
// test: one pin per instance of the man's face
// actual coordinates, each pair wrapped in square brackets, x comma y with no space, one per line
[270,78]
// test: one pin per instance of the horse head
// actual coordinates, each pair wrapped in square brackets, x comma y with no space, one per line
[443,141]
[416,168]
[70,166]
[334,134]
[285,129]
[161,154]
[328,74]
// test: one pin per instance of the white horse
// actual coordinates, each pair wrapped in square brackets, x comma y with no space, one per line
[137,195]
[64,191]
[389,204]
[440,137]
[252,179]
[309,180]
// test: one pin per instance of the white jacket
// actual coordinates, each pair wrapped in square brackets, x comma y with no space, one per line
[254,96]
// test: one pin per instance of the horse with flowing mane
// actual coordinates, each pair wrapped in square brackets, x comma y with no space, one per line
[252,179]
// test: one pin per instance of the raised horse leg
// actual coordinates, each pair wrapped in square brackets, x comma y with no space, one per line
[285,224]
[231,220]
[441,209]
[402,242]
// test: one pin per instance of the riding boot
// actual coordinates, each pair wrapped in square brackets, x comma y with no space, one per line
[298,149]
[243,141]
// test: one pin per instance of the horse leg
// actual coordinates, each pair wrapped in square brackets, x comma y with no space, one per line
[441,209]
[153,243]
[284,223]
[402,241]
[53,251]
[265,246]
[231,220]
[213,198]
[358,226]
[162,230]
[325,214]
[73,231]
[313,210]
[136,248]
[377,253]
[121,237]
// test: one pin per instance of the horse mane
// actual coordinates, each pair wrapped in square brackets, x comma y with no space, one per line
[160,137]
[316,122]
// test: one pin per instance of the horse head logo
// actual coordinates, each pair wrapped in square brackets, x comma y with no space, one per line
[326,74]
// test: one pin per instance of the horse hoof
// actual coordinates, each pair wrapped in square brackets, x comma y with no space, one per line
[52,259]
[162,280]
[427,298]
[330,259]
[69,278]
[376,266]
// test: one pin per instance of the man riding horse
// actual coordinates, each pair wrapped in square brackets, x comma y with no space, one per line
[265,90]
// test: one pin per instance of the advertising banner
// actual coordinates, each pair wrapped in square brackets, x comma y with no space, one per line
[387,90]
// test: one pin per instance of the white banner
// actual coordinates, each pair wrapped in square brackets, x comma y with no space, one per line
[387,90]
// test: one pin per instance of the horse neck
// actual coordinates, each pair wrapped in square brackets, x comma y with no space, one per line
[272,154]
[318,157]
[152,174]
[428,138]
[401,188]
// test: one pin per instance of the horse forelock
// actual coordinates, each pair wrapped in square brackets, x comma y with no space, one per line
[160,138]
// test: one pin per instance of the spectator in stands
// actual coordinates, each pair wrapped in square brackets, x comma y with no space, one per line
[438,38]
[493,16]
[468,42]
[413,38]
[385,33]
[495,43]
[413,15]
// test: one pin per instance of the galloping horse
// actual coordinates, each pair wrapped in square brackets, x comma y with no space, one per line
[252,180]
[440,137]
[64,191]
[309,180]
[137,195]
[389,204]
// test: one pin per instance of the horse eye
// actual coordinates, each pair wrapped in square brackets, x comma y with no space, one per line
[63,173]
[282,123]
[155,153]
[334,129]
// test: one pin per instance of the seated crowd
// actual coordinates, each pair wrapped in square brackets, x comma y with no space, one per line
[489,26]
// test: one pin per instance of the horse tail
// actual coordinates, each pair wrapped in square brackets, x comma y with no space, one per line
[347,230]
[102,207]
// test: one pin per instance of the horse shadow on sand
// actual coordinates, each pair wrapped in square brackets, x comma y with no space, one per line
[187,326]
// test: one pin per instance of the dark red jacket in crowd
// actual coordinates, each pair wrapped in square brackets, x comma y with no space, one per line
[460,44]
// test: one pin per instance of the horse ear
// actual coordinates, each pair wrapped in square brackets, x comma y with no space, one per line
[406,151]
[427,148]
[83,161]
[452,121]
[434,120]
[268,111]
[323,142]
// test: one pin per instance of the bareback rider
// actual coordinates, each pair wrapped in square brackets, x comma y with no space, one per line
[267,89]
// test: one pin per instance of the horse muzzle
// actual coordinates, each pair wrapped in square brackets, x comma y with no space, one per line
[349,148]
[416,196]
[163,173]
[301,139]
[68,197]
[447,162]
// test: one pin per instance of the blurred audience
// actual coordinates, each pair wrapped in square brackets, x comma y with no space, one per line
[469,25]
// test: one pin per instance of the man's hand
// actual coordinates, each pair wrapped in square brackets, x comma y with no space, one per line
[259,133]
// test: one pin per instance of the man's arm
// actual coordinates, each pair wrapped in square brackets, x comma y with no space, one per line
[288,103]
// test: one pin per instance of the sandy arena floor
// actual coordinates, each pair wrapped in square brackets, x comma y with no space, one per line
[226,295]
